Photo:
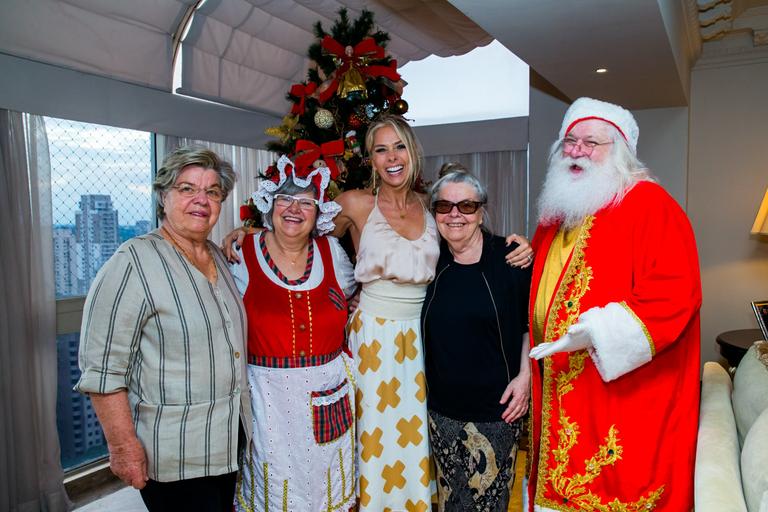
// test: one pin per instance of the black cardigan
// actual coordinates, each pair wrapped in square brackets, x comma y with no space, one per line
[469,389]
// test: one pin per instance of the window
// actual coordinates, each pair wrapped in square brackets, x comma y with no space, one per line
[101,190]
[490,81]
[101,180]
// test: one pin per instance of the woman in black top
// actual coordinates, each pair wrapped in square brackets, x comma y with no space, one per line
[475,329]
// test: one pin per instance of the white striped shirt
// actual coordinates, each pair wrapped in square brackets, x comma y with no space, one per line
[154,325]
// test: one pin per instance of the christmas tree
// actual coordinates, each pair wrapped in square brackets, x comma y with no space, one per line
[351,81]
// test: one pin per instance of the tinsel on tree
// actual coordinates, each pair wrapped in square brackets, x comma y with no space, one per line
[352,81]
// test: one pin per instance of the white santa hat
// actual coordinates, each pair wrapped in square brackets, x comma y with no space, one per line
[584,109]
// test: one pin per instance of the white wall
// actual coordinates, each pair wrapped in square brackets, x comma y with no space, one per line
[663,147]
[684,45]
[546,115]
[728,175]
[508,134]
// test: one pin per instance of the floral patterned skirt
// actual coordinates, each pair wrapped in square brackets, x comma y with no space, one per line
[475,463]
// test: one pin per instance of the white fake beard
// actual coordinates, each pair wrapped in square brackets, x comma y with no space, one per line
[569,198]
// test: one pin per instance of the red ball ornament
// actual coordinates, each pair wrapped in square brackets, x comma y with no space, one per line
[354,122]
[399,107]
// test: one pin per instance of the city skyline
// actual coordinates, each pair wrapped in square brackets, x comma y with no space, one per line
[81,248]
[80,435]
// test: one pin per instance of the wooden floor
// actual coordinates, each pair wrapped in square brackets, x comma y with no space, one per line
[129,500]
[516,501]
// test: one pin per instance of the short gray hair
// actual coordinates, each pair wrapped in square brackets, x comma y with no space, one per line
[175,163]
[461,176]
[449,167]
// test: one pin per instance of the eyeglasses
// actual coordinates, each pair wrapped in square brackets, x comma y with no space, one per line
[286,201]
[188,191]
[466,206]
[587,146]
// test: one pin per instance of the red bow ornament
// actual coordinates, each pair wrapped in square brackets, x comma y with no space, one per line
[307,153]
[273,174]
[352,67]
[301,91]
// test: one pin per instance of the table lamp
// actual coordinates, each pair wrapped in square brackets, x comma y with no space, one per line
[760,227]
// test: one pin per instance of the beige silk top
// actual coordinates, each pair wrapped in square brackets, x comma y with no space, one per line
[384,254]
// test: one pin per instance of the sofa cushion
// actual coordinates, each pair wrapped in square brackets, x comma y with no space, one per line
[750,397]
[754,465]
[717,480]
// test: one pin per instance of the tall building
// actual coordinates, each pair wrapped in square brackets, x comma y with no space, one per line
[97,235]
[80,435]
[79,253]
[65,261]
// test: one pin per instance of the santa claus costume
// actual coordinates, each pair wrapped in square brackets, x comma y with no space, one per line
[614,426]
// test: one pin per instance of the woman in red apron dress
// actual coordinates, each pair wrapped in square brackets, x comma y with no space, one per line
[294,283]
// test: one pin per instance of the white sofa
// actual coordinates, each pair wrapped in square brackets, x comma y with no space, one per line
[732,448]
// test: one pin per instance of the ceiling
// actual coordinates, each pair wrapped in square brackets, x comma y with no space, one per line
[647,46]
[247,53]
[566,42]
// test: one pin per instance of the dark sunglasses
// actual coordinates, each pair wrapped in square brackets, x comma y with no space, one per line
[466,207]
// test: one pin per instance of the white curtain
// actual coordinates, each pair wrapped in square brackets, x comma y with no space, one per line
[505,175]
[31,478]
[247,162]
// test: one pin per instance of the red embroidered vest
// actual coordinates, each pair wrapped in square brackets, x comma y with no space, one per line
[287,323]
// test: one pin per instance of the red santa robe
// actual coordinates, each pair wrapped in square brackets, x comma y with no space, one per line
[614,427]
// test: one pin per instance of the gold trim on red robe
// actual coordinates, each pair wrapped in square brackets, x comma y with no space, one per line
[627,444]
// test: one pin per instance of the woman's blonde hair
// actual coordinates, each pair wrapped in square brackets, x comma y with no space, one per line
[406,135]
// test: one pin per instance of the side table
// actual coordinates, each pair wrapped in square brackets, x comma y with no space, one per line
[734,344]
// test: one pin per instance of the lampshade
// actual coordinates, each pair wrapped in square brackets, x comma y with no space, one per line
[760,227]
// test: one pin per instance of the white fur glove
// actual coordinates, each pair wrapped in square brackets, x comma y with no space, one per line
[577,338]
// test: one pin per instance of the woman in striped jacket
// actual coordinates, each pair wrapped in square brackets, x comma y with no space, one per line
[162,349]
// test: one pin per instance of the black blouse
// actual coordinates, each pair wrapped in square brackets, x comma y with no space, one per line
[473,321]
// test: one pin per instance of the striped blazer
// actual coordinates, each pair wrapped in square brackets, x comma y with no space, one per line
[154,325]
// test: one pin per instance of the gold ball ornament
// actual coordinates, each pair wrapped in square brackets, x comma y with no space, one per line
[323,118]
[400,107]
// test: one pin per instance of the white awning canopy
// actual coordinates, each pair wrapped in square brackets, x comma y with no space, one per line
[129,41]
[245,53]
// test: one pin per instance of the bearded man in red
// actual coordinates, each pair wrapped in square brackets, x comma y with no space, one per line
[614,321]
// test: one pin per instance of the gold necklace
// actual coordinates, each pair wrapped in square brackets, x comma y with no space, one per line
[285,254]
[211,273]
[401,212]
